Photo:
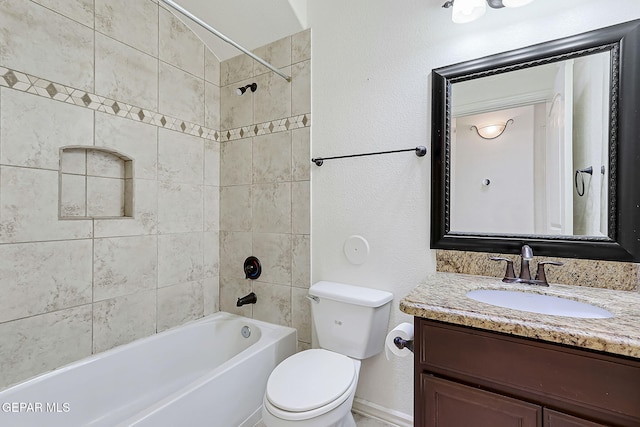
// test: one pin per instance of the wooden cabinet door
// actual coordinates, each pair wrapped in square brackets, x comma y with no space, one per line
[558,419]
[449,404]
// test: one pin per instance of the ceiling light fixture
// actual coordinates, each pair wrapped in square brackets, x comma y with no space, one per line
[469,10]
[492,131]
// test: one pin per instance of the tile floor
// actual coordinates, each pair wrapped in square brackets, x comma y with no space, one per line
[361,421]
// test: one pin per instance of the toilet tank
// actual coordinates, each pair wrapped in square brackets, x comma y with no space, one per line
[351,320]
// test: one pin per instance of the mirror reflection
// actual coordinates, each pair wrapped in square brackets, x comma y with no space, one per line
[529,150]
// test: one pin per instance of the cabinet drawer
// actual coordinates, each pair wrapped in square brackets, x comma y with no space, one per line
[448,404]
[563,378]
[557,419]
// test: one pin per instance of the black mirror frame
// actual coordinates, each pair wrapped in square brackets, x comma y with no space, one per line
[623,242]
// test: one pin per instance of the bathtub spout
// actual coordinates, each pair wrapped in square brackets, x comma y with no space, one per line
[248,299]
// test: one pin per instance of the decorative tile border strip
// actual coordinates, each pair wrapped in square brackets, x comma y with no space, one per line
[31,84]
[279,125]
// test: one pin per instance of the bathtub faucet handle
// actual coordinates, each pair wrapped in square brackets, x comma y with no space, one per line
[247,299]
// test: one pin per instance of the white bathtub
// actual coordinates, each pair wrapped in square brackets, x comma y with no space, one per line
[204,373]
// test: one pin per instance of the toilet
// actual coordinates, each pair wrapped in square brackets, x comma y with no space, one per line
[315,388]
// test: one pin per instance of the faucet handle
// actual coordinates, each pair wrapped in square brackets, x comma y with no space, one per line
[540,275]
[509,274]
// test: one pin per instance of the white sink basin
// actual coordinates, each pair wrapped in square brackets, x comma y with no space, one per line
[538,303]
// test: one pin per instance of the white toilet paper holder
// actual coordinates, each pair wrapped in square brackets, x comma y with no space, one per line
[402,343]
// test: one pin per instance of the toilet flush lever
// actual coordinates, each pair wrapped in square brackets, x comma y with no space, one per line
[314,299]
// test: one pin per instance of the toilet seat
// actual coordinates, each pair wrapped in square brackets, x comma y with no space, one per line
[309,384]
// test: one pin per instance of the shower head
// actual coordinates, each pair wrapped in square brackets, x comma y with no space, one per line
[241,90]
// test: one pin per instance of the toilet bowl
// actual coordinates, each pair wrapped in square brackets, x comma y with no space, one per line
[313,388]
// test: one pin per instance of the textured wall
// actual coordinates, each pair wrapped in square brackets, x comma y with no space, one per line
[264,183]
[128,76]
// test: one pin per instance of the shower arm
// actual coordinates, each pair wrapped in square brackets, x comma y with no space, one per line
[224,38]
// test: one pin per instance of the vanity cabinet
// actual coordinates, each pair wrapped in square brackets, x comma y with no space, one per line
[476,378]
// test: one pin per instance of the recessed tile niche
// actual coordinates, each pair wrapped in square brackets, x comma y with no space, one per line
[95,182]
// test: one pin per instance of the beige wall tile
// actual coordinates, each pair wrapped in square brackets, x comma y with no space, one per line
[272,100]
[180,208]
[181,94]
[272,158]
[131,22]
[301,88]
[33,129]
[301,46]
[145,216]
[73,160]
[211,208]
[301,261]
[179,46]
[301,207]
[230,291]
[274,303]
[211,67]
[180,158]
[105,197]
[301,154]
[179,304]
[54,339]
[211,245]
[105,164]
[138,141]
[114,273]
[211,106]
[180,258]
[236,111]
[126,74]
[73,195]
[36,278]
[212,163]
[236,162]
[211,295]
[236,69]
[277,54]
[59,48]
[235,247]
[301,314]
[78,10]
[235,208]
[271,206]
[302,346]
[120,320]
[29,209]
[274,252]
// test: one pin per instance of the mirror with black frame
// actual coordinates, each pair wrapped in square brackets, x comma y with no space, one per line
[541,145]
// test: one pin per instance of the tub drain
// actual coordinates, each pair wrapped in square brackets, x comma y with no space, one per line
[246,331]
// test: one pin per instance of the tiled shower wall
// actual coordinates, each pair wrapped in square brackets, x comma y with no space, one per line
[128,76]
[264,184]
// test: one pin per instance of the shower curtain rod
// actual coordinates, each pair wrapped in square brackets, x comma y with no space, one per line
[224,38]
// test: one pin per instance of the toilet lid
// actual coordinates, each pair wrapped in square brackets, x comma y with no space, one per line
[310,379]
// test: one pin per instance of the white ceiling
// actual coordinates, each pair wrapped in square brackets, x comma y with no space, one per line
[250,23]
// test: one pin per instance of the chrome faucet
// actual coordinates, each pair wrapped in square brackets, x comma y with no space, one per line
[526,255]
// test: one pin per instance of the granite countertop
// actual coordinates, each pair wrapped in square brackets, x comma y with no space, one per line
[442,297]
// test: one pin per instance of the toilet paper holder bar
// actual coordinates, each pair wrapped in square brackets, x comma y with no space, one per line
[402,343]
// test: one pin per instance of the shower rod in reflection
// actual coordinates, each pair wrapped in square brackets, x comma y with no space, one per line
[420,152]
[224,38]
